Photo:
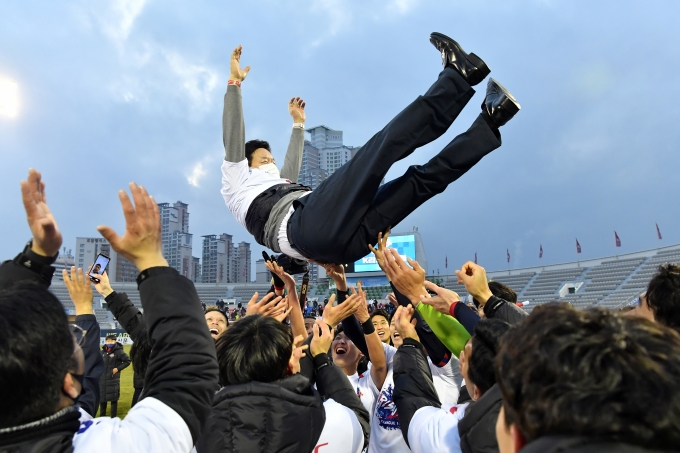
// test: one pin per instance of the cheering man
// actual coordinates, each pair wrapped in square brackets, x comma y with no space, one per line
[346,212]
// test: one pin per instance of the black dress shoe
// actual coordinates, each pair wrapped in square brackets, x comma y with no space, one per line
[470,66]
[499,103]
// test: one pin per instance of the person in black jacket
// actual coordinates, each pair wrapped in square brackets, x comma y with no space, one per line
[42,365]
[115,361]
[585,381]
[462,428]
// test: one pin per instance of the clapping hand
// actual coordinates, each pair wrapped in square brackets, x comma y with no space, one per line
[46,235]
[80,290]
[404,324]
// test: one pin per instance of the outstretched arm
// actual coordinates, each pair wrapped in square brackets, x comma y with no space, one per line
[233,126]
[293,160]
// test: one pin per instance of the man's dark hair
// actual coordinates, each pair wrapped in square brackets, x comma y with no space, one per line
[380,312]
[111,336]
[500,290]
[256,348]
[140,352]
[591,373]
[252,145]
[663,296]
[36,346]
[214,308]
[485,344]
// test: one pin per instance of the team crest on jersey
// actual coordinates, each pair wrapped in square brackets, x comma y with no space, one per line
[387,410]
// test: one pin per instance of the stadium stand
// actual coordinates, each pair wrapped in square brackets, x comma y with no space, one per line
[608,282]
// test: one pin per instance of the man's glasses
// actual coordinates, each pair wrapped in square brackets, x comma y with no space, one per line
[78,333]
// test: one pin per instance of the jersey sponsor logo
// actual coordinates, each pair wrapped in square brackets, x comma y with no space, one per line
[386,410]
[318,447]
[84,426]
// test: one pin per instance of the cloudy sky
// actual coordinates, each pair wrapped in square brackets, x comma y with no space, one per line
[99,93]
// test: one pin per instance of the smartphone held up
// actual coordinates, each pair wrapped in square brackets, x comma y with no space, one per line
[98,267]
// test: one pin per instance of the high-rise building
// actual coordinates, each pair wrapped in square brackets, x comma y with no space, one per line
[64,261]
[216,266]
[311,173]
[177,241]
[196,264]
[242,263]
[262,274]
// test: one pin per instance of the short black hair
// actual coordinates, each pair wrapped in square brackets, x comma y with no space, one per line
[663,296]
[485,344]
[591,373]
[500,290]
[253,145]
[256,348]
[140,353]
[36,346]
[381,312]
[213,308]
[111,336]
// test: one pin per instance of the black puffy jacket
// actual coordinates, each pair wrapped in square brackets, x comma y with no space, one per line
[577,444]
[477,429]
[109,383]
[281,416]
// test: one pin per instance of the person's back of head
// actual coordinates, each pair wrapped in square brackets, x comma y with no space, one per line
[485,345]
[589,373]
[500,290]
[663,296]
[140,351]
[36,348]
[256,348]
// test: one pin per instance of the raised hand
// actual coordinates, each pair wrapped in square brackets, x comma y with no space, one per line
[379,253]
[404,324]
[443,300]
[235,71]
[78,285]
[46,235]
[337,273]
[270,305]
[473,276]
[296,108]
[321,338]
[141,242]
[333,315]
[409,281]
[287,279]
[104,286]
[362,309]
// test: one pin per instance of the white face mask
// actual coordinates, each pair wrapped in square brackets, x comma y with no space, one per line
[270,169]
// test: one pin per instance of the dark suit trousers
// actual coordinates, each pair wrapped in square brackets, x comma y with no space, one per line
[337,221]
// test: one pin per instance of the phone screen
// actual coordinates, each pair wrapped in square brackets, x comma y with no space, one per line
[99,266]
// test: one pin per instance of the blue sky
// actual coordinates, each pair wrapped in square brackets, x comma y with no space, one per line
[120,90]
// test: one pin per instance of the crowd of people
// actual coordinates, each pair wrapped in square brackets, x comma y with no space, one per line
[432,374]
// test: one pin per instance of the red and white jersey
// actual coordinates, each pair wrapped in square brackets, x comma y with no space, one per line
[434,429]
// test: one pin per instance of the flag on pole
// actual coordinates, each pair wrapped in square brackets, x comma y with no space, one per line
[475,257]
[508,252]
[658,231]
[446,262]
[540,251]
[617,239]
[578,247]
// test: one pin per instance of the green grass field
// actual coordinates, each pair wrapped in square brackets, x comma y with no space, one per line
[126,390]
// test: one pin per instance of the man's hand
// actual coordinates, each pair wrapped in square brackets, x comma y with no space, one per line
[473,276]
[270,305]
[410,282]
[333,315]
[104,286]
[79,289]
[141,242]
[337,273]
[115,371]
[296,108]
[362,309]
[443,300]
[235,71]
[392,298]
[379,253]
[46,235]
[321,338]
[287,279]
[404,324]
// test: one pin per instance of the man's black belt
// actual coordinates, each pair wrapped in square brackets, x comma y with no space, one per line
[262,205]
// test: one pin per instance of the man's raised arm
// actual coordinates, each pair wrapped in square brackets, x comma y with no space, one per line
[233,126]
[293,159]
